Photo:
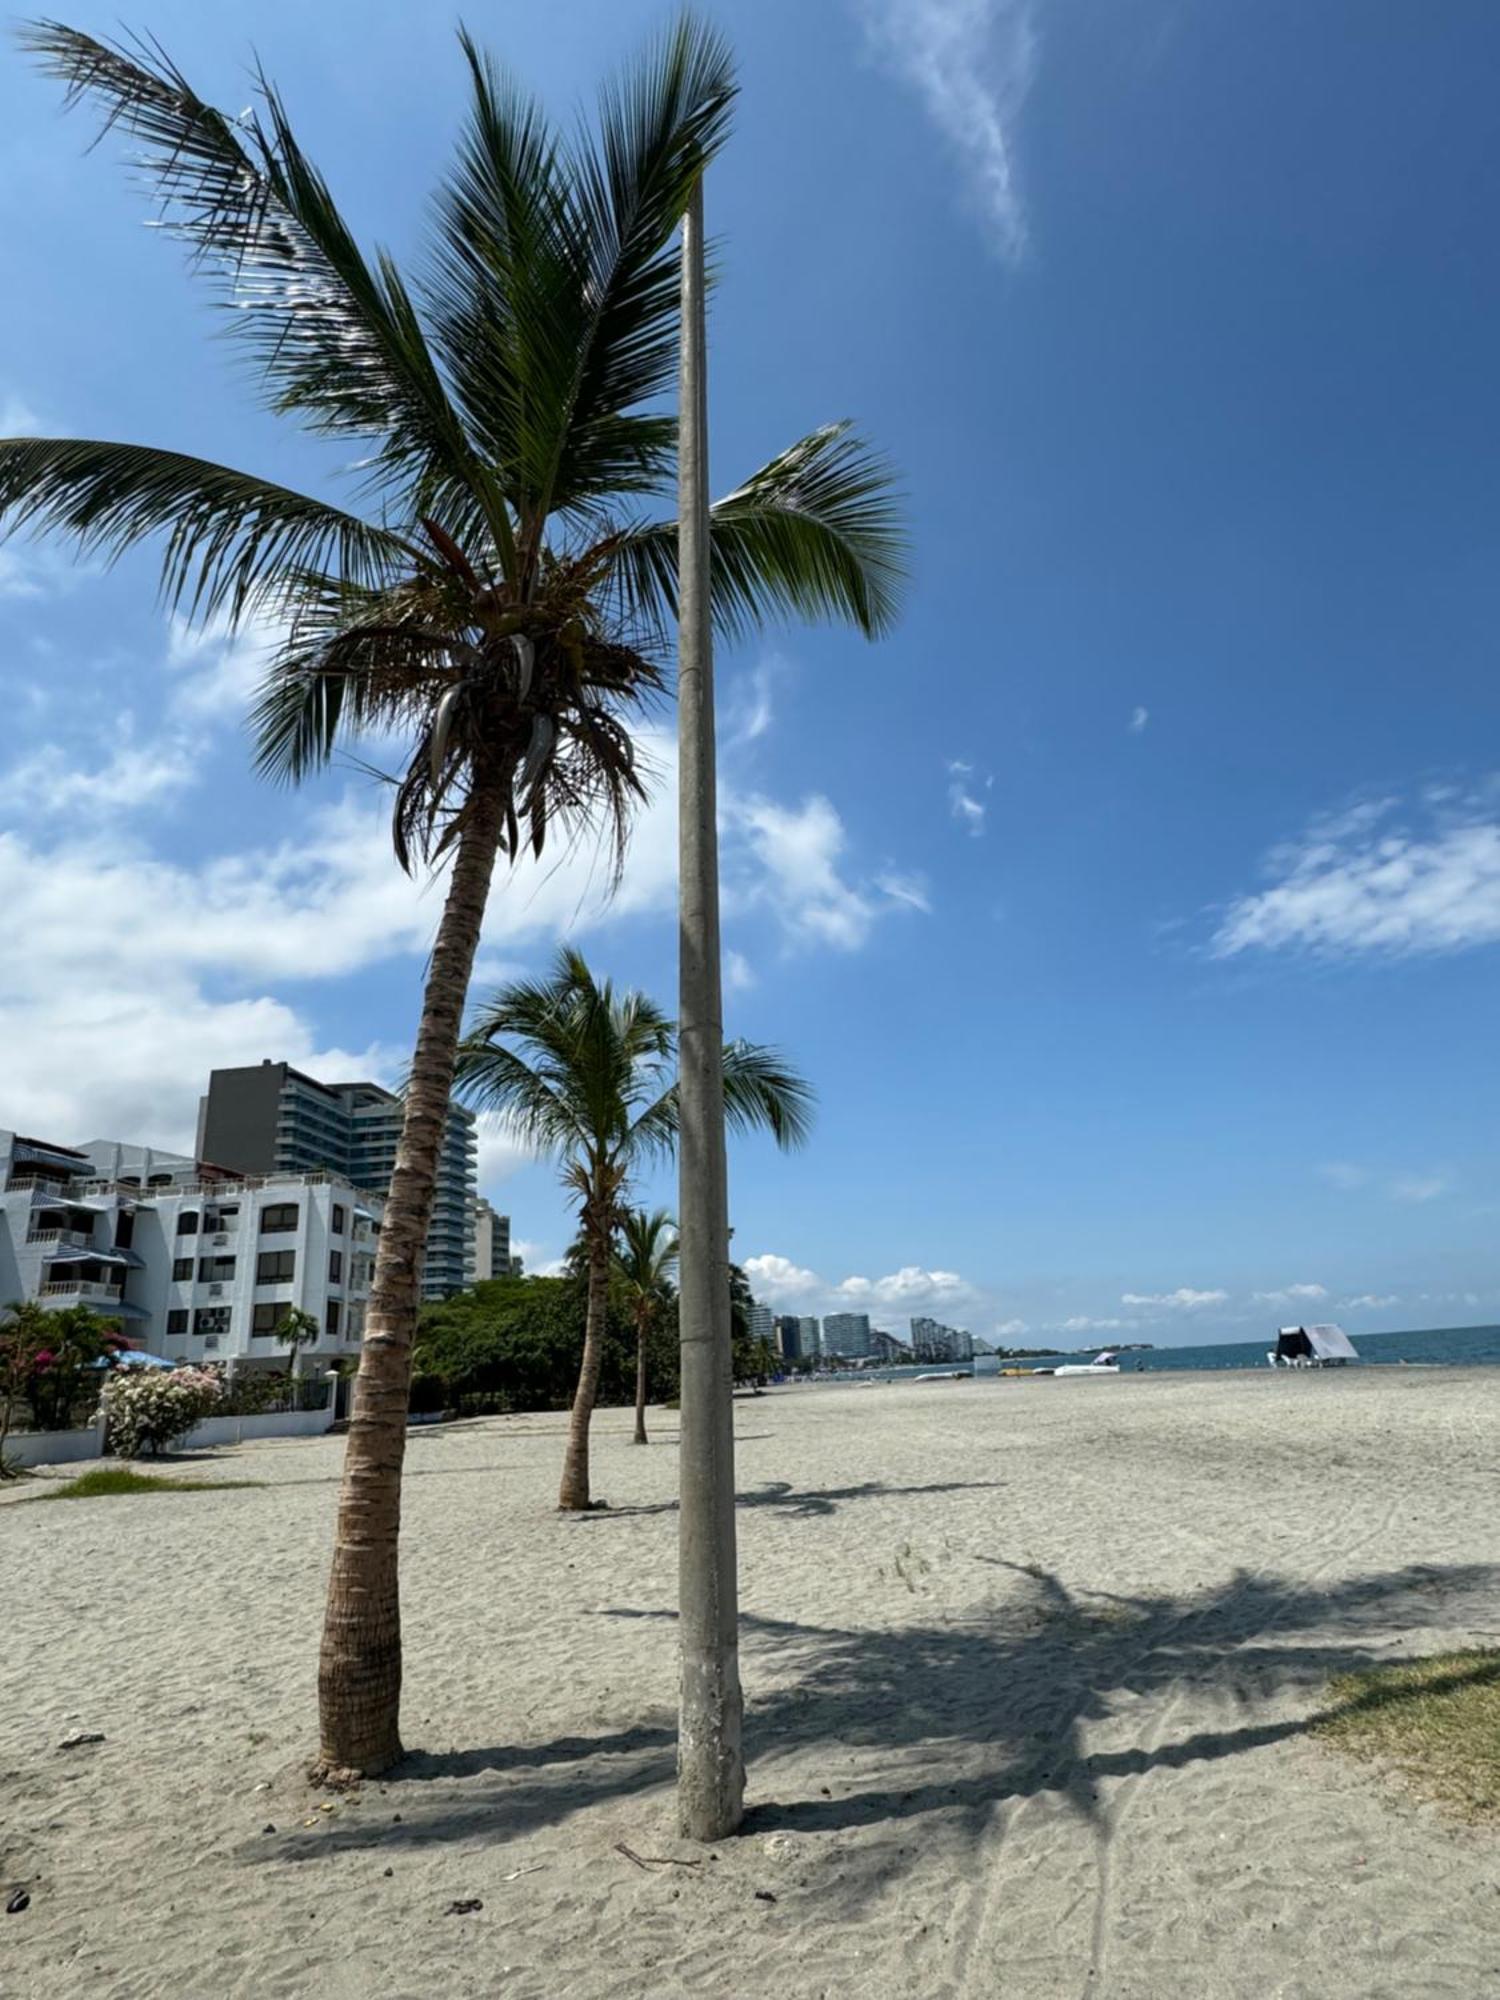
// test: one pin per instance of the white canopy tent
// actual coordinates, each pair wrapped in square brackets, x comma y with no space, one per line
[1311,1347]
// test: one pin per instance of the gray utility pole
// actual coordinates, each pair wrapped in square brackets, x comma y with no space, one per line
[710,1766]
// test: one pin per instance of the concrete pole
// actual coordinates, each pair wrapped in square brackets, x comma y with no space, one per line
[710,1766]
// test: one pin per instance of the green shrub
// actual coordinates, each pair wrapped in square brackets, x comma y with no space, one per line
[515,1344]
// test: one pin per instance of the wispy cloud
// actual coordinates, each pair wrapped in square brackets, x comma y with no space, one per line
[1368,1302]
[790,859]
[1349,1176]
[972,63]
[751,708]
[1379,879]
[1184,1299]
[1085,1323]
[1139,717]
[1291,1295]
[967,808]
[1418,1187]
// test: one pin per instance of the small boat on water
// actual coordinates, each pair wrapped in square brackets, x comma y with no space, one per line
[1107,1363]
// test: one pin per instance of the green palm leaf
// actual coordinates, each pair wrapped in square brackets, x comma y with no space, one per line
[816,533]
[230,537]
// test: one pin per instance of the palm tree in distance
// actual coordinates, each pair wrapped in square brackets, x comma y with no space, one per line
[589,1076]
[644,1264]
[498,599]
[295,1330]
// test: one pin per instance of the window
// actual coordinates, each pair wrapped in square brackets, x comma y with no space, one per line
[273,1267]
[215,1267]
[211,1319]
[335,1267]
[187,1223]
[331,1318]
[177,1320]
[124,1228]
[278,1215]
[265,1319]
[182,1268]
[338,1219]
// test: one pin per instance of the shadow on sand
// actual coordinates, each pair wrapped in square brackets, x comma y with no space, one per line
[960,1716]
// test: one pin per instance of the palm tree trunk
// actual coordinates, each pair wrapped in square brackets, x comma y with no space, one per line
[359,1668]
[574,1494]
[640,1384]
[710,1766]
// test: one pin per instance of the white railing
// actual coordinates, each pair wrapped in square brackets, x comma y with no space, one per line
[36,1184]
[226,1190]
[82,1288]
[80,1239]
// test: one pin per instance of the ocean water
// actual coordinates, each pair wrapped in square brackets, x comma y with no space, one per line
[1451,1346]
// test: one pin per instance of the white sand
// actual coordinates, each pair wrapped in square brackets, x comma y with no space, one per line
[1028,1667]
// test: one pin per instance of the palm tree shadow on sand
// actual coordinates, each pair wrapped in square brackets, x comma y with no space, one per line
[960,1718]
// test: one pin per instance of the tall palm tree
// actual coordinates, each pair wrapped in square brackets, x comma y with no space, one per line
[589,1076]
[644,1264]
[498,597]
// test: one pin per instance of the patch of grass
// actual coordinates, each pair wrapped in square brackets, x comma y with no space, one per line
[1437,1721]
[106,1479]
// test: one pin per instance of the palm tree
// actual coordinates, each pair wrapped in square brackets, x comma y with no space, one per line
[295,1330]
[589,1076]
[644,1266]
[498,598]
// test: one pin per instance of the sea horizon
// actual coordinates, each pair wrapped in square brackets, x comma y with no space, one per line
[1438,1346]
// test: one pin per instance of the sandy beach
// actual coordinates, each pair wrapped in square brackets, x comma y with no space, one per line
[1028,1666]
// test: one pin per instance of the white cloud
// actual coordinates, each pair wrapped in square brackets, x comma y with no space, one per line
[1139,717]
[787,859]
[17,419]
[1082,1323]
[1184,1299]
[1418,1187]
[1290,1295]
[218,669]
[1368,1302]
[1363,882]
[501,1153]
[908,889]
[777,1281]
[972,63]
[739,973]
[750,709]
[134,777]
[1344,1174]
[18,577]
[910,1290]
[1010,1329]
[969,811]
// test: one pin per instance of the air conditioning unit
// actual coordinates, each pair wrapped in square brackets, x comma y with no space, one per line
[216,1291]
[210,1340]
[221,1237]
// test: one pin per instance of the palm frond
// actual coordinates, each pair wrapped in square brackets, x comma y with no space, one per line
[762,1092]
[816,533]
[336,339]
[230,538]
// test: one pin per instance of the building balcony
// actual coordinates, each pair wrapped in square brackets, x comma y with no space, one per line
[38,1184]
[83,1288]
[76,1239]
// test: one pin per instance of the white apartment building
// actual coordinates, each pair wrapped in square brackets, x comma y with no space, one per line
[195,1265]
[762,1323]
[489,1243]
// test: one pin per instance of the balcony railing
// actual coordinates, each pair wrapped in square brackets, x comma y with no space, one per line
[82,1288]
[78,1239]
[38,1184]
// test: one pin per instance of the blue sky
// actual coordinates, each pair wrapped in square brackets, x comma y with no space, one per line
[1134,908]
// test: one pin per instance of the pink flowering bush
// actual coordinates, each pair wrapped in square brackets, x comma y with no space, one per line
[151,1408]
